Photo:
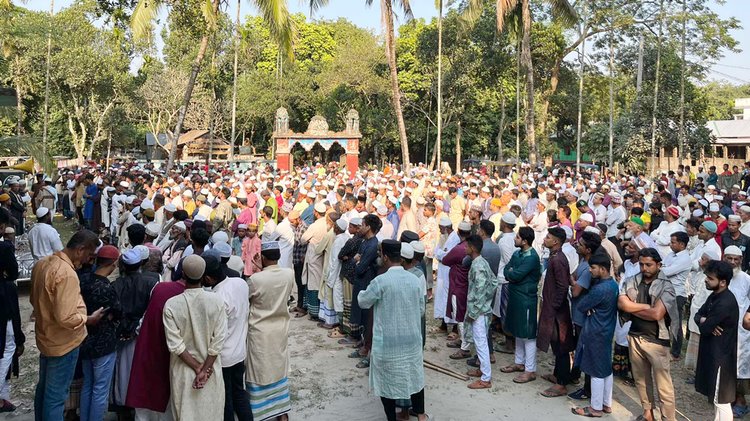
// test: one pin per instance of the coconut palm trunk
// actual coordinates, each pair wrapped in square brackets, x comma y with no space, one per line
[386,7]
[528,65]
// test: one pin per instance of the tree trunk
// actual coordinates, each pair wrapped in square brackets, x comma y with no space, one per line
[390,50]
[527,63]
[518,103]
[458,147]
[579,123]
[502,127]
[46,78]
[19,111]
[438,142]
[189,93]
[234,85]
[611,100]
[681,136]
[656,88]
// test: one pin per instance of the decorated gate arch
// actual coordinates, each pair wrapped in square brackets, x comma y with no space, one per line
[317,132]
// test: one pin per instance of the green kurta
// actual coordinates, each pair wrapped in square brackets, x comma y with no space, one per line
[397,300]
[482,287]
[523,273]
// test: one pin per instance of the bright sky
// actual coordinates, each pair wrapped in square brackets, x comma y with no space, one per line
[733,67]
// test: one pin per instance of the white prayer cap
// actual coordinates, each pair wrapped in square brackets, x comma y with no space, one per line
[393,200]
[342,224]
[323,193]
[125,184]
[509,218]
[735,218]
[712,187]
[568,232]
[421,201]
[152,229]
[356,221]
[592,229]
[188,193]
[311,194]
[745,209]
[180,226]
[718,198]
[697,213]
[224,249]
[587,217]
[220,237]
[486,189]
[714,207]
[382,210]
[732,251]
[170,208]
[131,257]
[147,204]
[129,200]
[200,218]
[445,221]
[464,226]
[143,250]
[41,212]
[407,251]
[176,189]
[417,246]
[439,204]
[713,254]
[320,207]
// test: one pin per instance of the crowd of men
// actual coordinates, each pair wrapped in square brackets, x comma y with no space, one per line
[173,299]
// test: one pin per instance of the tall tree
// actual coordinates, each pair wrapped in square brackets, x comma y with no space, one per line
[561,10]
[275,13]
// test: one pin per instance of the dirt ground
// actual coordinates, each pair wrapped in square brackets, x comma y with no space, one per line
[326,385]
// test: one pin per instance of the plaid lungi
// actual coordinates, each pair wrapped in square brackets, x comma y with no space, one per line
[346,323]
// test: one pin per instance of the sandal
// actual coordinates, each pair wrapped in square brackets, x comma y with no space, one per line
[364,363]
[300,315]
[550,378]
[515,368]
[356,354]
[553,393]
[740,411]
[460,355]
[347,340]
[336,334]
[452,336]
[587,411]
[524,378]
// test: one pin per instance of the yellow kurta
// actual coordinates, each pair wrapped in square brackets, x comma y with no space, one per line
[268,332]
[195,321]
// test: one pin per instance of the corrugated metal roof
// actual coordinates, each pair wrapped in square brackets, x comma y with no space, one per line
[730,131]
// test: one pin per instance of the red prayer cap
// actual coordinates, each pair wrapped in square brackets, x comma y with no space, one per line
[109,252]
[674,211]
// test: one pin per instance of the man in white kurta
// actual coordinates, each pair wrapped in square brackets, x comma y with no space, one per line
[740,287]
[267,339]
[448,239]
[397,299]
[195,324]
[284,234]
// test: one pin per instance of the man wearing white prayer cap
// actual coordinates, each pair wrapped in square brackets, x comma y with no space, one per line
[43,239]
[733,237]
[740,287]
[744,213]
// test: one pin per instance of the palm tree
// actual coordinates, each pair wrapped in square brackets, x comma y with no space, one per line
[386,10]
[561,10]
[274,12]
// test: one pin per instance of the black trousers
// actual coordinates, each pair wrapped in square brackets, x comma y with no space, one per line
[236,399]
[677,343]
[417,404]
[300,288]
[562,364]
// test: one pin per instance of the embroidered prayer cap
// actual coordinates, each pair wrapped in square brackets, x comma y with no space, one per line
[152,229]
[710,226]
[193,267]
[464,226]
[674,211]
[732,251]
[287,207]
[269,245]
[382,210]
[509,218]
[108,252]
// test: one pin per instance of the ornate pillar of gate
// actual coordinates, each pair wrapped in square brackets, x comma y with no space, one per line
[282,154]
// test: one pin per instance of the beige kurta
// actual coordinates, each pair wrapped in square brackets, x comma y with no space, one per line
[312,271]
[408,223]
[195,321]
[323,249]
[268,332]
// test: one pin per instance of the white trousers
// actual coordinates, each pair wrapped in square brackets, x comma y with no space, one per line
[723,411]
[526,354]
[479,330]
[338,295]
[601,392]
[465,345]
[7,360]
[142,414]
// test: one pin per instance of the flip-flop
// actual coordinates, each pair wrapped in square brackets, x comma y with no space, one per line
[552,393]
[740,411]
[336,334]
[519,380]
[550,378]
[452,336]
[347,341]
[363,363]
[356,354]
[584,411]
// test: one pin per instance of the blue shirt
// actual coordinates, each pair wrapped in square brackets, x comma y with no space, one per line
[583,276]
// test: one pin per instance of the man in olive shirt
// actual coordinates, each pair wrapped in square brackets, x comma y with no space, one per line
[60,321]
